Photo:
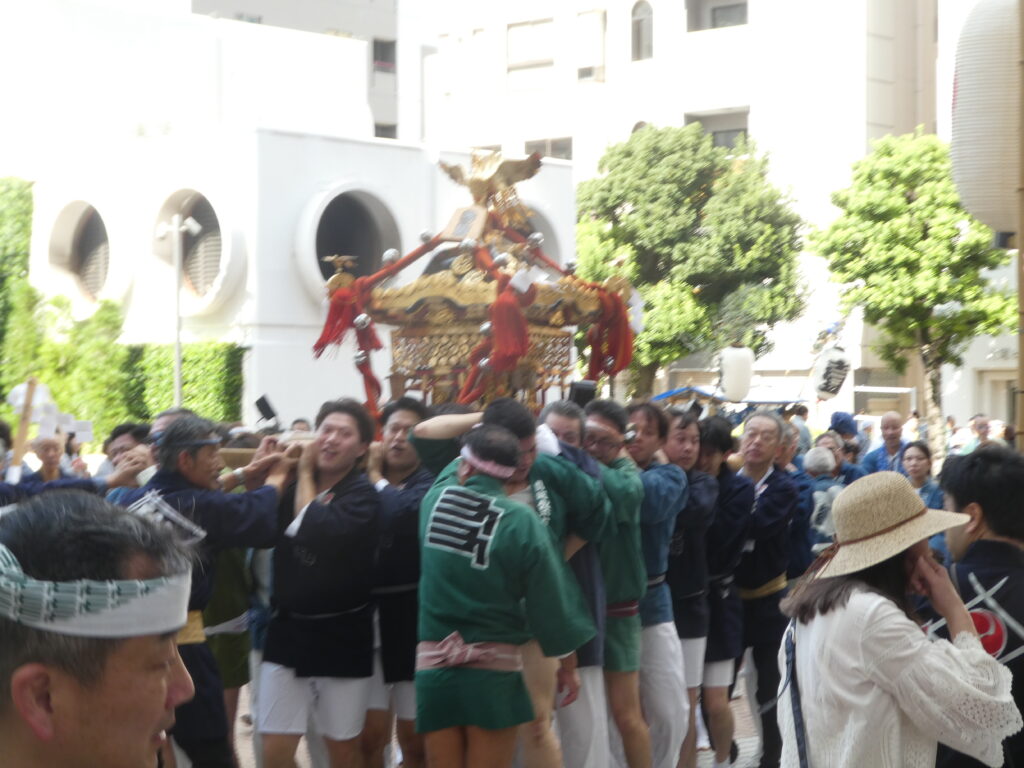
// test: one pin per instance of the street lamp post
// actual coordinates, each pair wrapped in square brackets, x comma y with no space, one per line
[177,228]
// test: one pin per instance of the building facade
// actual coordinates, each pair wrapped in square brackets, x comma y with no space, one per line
[812,83]
[273,175]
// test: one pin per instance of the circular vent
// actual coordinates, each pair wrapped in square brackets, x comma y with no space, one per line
[203,250]
[92,255]
[347,228]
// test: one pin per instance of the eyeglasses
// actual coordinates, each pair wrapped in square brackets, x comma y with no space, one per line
[601,443]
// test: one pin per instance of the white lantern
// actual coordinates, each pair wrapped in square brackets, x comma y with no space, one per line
[986,114]
[830,372]
[736,372]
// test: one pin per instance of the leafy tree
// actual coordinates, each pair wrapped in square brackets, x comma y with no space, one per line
[15,233]
[93,377]
[709,243]
[915,260]
[95,386]
[24,336]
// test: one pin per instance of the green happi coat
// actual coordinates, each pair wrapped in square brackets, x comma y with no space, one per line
[622,559]
[566,499]
[491,573]
[622,563]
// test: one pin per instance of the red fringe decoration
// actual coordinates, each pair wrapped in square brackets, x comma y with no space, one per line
[348,303]
[611,337]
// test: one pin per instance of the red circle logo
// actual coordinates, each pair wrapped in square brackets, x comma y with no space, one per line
[991,631]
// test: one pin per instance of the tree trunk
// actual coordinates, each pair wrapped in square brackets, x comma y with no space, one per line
[936,418]
[641,385]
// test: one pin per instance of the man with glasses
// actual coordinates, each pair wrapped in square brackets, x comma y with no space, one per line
[625,577]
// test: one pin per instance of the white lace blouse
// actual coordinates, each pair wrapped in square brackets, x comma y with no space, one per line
[876,692]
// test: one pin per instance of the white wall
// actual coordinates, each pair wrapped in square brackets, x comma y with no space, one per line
[269,124]
[357,19]
[95,74]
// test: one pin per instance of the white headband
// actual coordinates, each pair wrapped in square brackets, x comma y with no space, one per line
[84,608]
[492,468]
[93,608]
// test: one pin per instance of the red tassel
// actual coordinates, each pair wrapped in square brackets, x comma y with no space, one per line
[340,317]
[510,331]
[610,337]
[367,339]
[372,388]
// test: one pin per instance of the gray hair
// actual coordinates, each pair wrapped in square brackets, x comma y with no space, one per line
[819,461]
[566,408]
[790,433]
[764,413]
[68,536]
[832,435]
[184,435]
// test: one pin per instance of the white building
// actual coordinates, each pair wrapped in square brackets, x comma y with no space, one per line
[373,21]
[239,135]
[120,122]
[812,82]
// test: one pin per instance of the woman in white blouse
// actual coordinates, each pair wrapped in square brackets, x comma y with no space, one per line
[866,687]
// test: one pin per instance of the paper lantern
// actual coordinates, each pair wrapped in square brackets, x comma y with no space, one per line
[736,372]
[830,372]
[986,114]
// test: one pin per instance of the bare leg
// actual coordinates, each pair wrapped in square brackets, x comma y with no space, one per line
[279,749]
[413,751]
[491,748]
[540,747]
[344,754]
[375,737]
[688,754]
[446,748]
[720,721]
[623,690]
[231,707]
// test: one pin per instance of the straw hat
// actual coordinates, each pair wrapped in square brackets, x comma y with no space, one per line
[879,516]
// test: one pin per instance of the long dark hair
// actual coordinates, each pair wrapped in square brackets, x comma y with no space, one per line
[813,597]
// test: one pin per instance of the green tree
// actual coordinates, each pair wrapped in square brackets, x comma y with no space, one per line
[915,260]
[96,382]
[709,243]
[15,234]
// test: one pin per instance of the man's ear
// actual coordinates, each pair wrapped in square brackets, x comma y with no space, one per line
[977,522]
[31,694]
[185,462]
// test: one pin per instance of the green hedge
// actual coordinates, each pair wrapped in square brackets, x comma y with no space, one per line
[93,377]
[211,380]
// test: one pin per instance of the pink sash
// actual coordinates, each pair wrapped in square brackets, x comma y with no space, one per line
[453,651]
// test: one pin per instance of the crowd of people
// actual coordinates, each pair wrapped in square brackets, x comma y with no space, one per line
[576,588]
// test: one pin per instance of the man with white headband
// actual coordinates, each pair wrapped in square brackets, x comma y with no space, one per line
[90,600]
[491,580]
[573,508]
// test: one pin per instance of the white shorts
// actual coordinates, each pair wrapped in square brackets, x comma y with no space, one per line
[335,705]
[399,697]
[663,692]
[719,674]
[583,725]
[693,659]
